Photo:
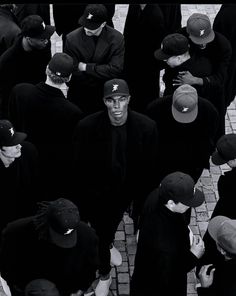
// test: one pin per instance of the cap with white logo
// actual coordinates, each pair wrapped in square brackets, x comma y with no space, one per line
[185,104]
[115,87]
[8,135]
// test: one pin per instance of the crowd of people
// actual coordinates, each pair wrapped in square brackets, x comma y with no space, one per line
[73,162]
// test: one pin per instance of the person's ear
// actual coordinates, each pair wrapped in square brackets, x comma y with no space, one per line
[171,205]
[128,100]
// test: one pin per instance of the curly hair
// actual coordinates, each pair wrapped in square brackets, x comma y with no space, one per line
[56,79]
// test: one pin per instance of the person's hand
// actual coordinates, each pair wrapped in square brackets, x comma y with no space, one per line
[82,66]
[206,280]
[198,247]
[185,77]
[78,293]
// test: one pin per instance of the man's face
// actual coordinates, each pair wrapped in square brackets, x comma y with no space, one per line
[95,32]
[117,107]
[180,208]
[37,43]
[232,163]
[12,151]
[173,61]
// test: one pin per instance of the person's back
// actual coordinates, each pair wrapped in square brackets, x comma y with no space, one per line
[224,23]
[33,247]
[186,141]
[32,106]
[26,60]
[164,252]
[9,27]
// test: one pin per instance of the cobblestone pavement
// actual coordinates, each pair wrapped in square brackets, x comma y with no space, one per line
[125,240]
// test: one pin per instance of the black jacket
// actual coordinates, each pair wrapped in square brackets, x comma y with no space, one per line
[224,23]
[49,119]
[143,33]
[99,188]
[24,257]
[163,256]
[25,9]
[17,65]
[9,29]
[104,59]
[184,147]
[20,187]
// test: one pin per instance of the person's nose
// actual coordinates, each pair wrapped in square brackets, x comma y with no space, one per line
[117,104]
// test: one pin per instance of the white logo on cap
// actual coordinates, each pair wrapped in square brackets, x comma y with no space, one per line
[58,73]
[115,87]
[185,109]
[202,32]
[89,17]
[44,26]
[194,190]
[11,131]
[68,231]
[161,45]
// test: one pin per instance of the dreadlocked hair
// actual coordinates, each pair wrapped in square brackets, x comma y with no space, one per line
[41,220]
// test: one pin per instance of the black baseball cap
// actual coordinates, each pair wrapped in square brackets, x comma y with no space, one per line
[181,187]
[61,64]
[172,45]
[225,149]
[94,15]
[8,135]
[34,26]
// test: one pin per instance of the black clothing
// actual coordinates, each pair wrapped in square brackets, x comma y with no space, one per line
[42,9]
[224,23]
[9,29]
[224,283]
[172,16]
[66,16]
[24,257]
[43,112]
[184,147]
[219,53]
[104,61]
[225,206]
[19,186]
[100,188]
[143,33]
[163,256]
[17,65]
[198,66]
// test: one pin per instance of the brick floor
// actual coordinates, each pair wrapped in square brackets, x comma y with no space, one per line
[125,240]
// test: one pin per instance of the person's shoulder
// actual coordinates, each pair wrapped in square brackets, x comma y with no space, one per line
[17,227]
[92,119]
[113,32]
[25,87]
[86,233]
[74,34]
[204,104]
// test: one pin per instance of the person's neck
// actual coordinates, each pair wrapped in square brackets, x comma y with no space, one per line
[142,6]
[185,58]
[118,123]
[25,45]
[6,160]
[52,84]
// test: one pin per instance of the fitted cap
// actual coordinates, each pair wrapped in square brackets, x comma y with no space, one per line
[41,287]
[63,219]
[34,26]
[61,64]
[172,45]
[115,87]
[185,104]
[223,230]
[199,28]
[8,135]
[94,15]
[225,149]
[180,187]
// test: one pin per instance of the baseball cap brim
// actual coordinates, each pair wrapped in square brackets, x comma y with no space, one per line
[88,24]
[184,117]
[196,201]
[116,94]
[47,33]
[17,139]
[160,55]
[217,159]
[201,40]
[63,240]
